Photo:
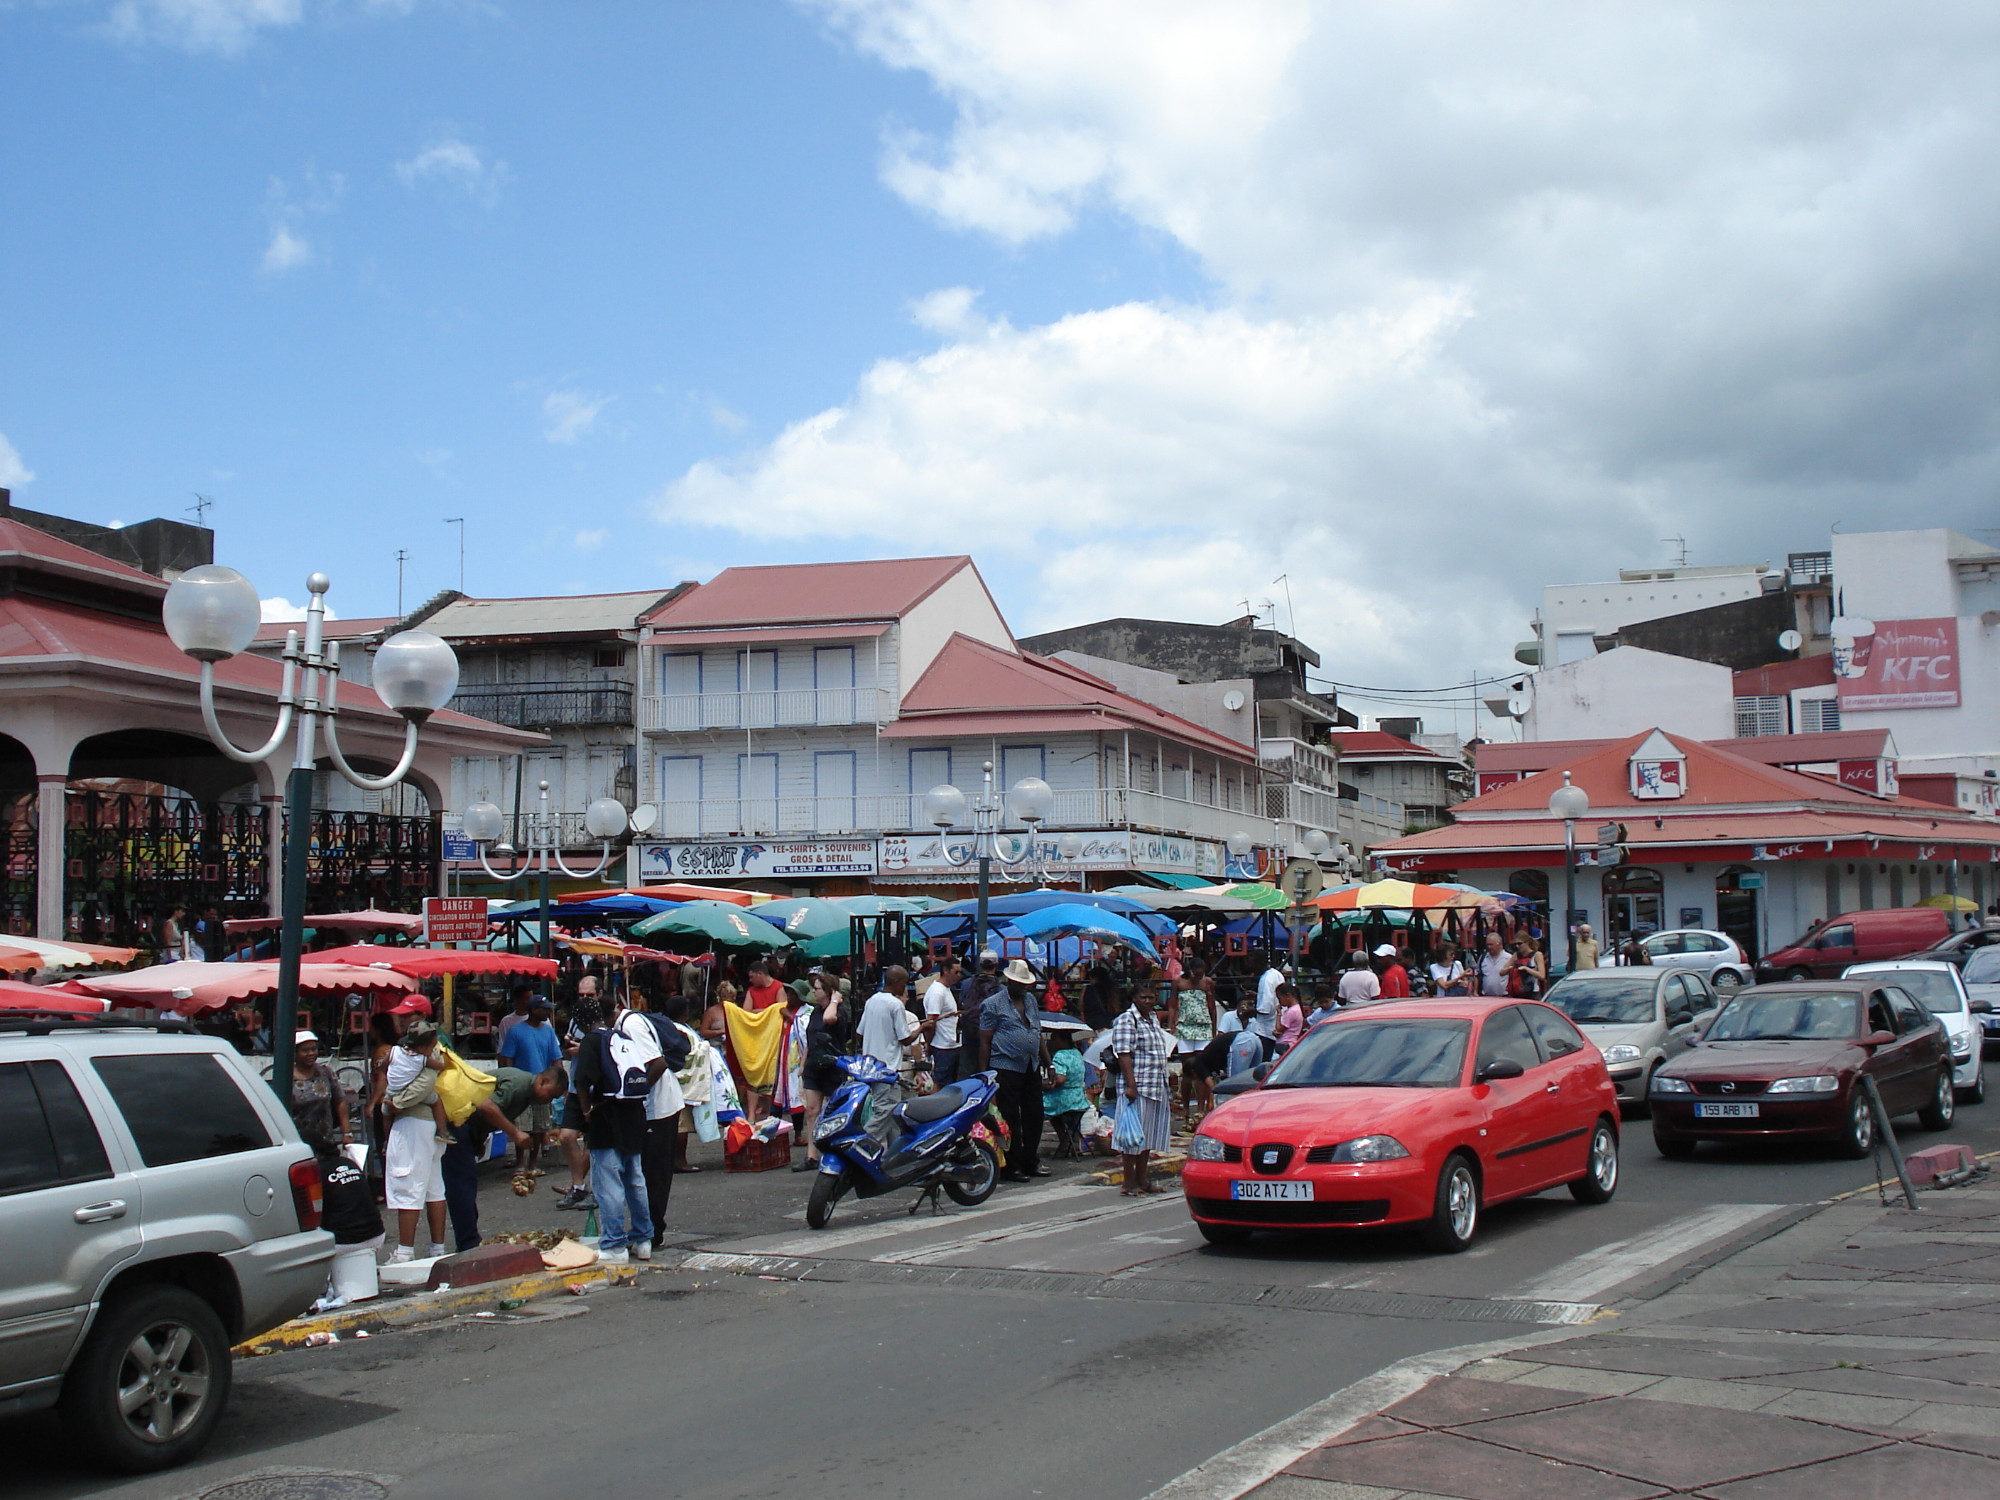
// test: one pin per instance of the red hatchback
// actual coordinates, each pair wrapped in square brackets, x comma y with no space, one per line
[1412,1112]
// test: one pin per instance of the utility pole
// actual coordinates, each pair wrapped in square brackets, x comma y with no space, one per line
[402,557]
[459,522]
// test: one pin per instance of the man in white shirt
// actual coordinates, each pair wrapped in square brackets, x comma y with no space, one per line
[1265,1021]
[1495,964]
[886,1023]
[1359,985]
[941,1022]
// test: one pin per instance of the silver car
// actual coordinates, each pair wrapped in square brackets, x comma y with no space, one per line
[1638,1017]
[156,1207]
[1937,987]
[1715,954]
[1982,983]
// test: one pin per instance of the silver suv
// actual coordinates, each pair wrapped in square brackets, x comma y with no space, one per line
[156,1207]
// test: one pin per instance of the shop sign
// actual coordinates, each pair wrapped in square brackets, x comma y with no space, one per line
[924,853]
[1895,664]
[1875,777]
[1176,856]
[773,860]
[1492,781]
[1242,866]
[1655,779]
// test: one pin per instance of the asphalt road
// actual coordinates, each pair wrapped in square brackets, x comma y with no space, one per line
[1061,1340]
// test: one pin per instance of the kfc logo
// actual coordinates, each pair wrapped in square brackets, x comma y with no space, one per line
[1654,779]
[1899,664]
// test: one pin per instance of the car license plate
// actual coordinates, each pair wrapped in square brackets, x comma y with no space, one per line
[1267,1191]
[1725,1111]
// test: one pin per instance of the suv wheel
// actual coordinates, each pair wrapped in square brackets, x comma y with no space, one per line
[1937,1114]
[150,1382]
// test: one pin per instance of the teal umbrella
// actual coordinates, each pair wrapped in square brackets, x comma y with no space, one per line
[804,918]
[721,923]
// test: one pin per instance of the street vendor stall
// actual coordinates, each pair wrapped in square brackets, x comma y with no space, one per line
[33,999]
[193,988]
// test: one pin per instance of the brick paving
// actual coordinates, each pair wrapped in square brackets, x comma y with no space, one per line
[1854,1356]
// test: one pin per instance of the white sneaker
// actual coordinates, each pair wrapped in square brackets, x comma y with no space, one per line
[642,1250]
[613,1258]
[404,1254]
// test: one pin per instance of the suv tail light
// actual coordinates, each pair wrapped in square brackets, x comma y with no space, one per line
[306,1193]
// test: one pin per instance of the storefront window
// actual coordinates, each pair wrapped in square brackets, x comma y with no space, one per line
[1632,904]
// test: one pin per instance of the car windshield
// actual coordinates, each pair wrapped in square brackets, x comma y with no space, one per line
[1605,997]
[1799,1015]
[1931,986]
[1408,1054]
[1983,967]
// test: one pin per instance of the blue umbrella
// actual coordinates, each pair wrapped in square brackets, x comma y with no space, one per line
[1073,919]
[956,919]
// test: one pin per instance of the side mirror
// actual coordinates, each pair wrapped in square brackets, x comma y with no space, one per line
[1262,1071]
[1500,1067]
[1680,1017]
[1980,1006]
[1878,1039]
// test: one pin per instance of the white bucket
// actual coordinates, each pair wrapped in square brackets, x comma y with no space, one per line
[354,1275]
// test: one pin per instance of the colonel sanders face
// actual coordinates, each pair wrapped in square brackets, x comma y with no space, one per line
[1853,642]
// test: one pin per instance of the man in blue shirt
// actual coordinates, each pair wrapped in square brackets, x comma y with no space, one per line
[1010,1043]
[533,1047]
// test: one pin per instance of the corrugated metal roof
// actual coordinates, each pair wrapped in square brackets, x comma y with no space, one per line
[810,593]
[1375,744]
[564,614]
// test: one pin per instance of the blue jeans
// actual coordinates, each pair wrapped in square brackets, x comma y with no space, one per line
[944,1065]
[618,1182]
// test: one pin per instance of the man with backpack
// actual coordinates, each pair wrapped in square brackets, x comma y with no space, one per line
[617,1067]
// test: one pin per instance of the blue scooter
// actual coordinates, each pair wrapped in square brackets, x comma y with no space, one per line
[924,1143]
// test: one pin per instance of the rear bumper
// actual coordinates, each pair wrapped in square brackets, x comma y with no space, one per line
[280,1278]
[1398,1192]
[1779,1117]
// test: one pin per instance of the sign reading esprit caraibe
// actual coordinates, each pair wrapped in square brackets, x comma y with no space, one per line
[1903,664]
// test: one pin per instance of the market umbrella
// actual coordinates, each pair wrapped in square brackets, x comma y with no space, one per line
[190,988]
[1948,902]
[1263,897]
[1073,919]
[19,999]
[619,904]
[948,921]
[717,921]
[1181,901]
[20,961]
[71,955]
[426,963]
[406,923]
[802,918]
[678,892]
[875,906]
[1402,895]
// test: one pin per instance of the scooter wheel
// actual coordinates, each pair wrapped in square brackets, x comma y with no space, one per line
[827,1190]
[984,1180]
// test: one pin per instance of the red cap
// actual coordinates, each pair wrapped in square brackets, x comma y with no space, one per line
[410,1005]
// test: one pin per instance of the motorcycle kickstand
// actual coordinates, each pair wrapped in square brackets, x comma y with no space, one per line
[931,1192]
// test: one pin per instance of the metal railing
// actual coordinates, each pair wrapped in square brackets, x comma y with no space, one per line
[537,705]
[1294,760]
[677,713]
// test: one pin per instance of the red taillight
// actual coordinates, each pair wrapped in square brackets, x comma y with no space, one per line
[306,1193]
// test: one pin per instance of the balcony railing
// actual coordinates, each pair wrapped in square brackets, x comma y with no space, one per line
[542,705]
[791,708]
[1294,760]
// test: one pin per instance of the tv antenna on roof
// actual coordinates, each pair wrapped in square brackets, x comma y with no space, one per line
[200,509]
[1682,542]
[402,556]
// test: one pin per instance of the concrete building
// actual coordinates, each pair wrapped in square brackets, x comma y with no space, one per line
[1624,689]
[1427,783]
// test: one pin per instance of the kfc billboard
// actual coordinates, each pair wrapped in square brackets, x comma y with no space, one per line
[1895,664]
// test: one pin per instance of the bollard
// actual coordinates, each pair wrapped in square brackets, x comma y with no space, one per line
[1887,1136]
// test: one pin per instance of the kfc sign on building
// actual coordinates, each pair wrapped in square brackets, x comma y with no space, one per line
[1895,664]
[1658,769]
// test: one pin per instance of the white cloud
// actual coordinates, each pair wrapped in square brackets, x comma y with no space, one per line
[286,212]
[13,473]
[279,610]
[226,28]
[288,249]
[1499,296]
[451,164]
[570,415]
[589,541]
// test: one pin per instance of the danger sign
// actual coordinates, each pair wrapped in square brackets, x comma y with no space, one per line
[455,919]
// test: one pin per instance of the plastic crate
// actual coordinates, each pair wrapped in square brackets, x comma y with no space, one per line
[761,1156]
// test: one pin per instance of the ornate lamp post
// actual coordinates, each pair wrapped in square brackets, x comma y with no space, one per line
[604,820]
[1569,803]
[212,614]
[1030,800]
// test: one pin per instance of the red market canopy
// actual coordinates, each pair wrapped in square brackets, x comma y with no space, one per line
[27,999]
[188,989]
[426,963]
[334,921]
[676,892]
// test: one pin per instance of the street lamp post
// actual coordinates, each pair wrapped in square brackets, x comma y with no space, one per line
[212,613]
[1029,799]
[1569,803]
[604,820]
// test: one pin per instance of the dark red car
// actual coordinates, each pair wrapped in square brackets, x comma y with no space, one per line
[1416,1112]
[1785,1062]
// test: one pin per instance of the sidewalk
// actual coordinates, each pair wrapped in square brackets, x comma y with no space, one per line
[1856,1354]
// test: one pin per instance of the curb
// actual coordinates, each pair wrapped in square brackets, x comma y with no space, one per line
[432,1307]
[1170,1163]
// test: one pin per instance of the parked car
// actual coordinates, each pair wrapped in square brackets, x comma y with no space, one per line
[157,1207]
[1416,1112]
[1982,982]
[1785,1062]
[1637,1017]
[1939,989]
[1856,937]
[1716,954]
[1960,946]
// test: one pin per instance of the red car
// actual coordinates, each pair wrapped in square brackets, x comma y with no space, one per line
[1412,1112]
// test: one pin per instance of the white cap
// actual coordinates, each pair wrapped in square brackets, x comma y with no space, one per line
[301,1038]
[1387,950]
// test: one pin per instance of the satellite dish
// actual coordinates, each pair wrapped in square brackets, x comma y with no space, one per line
[644,817]
[1517,706]
[1232,700]
[1790,640]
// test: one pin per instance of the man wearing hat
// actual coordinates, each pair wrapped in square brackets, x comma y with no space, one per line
[1012,1045]
[1390,973]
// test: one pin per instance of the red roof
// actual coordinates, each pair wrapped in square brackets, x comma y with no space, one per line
[22,545]
[1784,677]
[1374,744]
[1765,749]
[809,593]
[973,688]
[1719,837]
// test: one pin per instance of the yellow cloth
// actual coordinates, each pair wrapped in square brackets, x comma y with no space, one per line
[462,1088]
[757,1038]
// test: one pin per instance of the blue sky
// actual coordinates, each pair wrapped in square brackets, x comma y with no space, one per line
[1148,304]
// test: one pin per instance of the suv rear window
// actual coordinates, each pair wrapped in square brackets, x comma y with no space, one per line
[182,1106]
[46,1135]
